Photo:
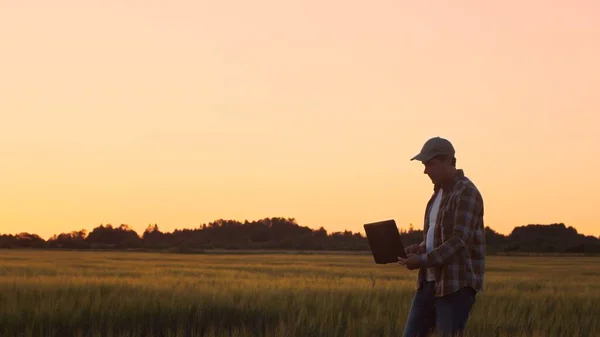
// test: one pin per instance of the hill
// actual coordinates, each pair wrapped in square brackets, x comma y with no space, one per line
[287,234]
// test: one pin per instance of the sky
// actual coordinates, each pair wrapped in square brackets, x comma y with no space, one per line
[183,112]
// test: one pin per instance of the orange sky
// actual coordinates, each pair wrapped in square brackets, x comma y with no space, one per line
[183,112]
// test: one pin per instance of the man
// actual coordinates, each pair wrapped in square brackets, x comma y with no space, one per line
[451,257]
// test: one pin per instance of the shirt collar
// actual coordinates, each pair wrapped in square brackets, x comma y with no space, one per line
[448,185]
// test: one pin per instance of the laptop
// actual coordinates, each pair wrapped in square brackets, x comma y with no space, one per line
[384,241]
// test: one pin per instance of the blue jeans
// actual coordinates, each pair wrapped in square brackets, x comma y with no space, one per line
[447,315]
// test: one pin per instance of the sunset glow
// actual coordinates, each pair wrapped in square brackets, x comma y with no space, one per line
[183,112]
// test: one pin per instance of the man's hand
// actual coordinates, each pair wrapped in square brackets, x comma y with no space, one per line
[415,249]
[411,262]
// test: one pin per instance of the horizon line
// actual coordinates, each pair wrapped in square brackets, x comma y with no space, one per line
[400,228]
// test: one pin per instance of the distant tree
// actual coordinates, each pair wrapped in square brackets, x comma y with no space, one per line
[108,236]
[73,240]
[28,240]
[321,232]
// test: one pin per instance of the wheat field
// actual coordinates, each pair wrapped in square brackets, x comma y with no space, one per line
[67,293]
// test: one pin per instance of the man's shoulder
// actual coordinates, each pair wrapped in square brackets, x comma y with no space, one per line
[465,186]
[467,196]
[466,183]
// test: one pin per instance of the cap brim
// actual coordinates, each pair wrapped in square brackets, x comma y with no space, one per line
[421,157]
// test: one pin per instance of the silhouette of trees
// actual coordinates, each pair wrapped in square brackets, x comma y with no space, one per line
[549,239]
[116,237]
[286,233]
[73,240]
[22,240]
[154,238]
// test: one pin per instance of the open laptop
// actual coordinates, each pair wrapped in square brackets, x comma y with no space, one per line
[384,240]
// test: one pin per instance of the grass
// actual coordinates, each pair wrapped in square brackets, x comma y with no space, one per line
[61,293]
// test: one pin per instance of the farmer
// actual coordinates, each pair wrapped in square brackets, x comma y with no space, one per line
[451,257]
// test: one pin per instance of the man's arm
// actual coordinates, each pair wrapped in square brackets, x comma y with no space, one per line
[415,249]
[468,209]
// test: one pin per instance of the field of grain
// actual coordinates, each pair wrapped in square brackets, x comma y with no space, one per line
[54,293]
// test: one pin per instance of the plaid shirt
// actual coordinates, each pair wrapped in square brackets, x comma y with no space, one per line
[459,239]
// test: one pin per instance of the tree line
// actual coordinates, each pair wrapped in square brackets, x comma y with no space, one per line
[286,234]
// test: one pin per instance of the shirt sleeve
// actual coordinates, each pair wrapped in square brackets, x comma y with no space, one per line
[468,208]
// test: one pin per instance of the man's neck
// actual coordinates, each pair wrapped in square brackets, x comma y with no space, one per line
[449,179]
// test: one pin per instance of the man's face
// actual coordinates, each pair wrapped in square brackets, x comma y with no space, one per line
[436,169]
